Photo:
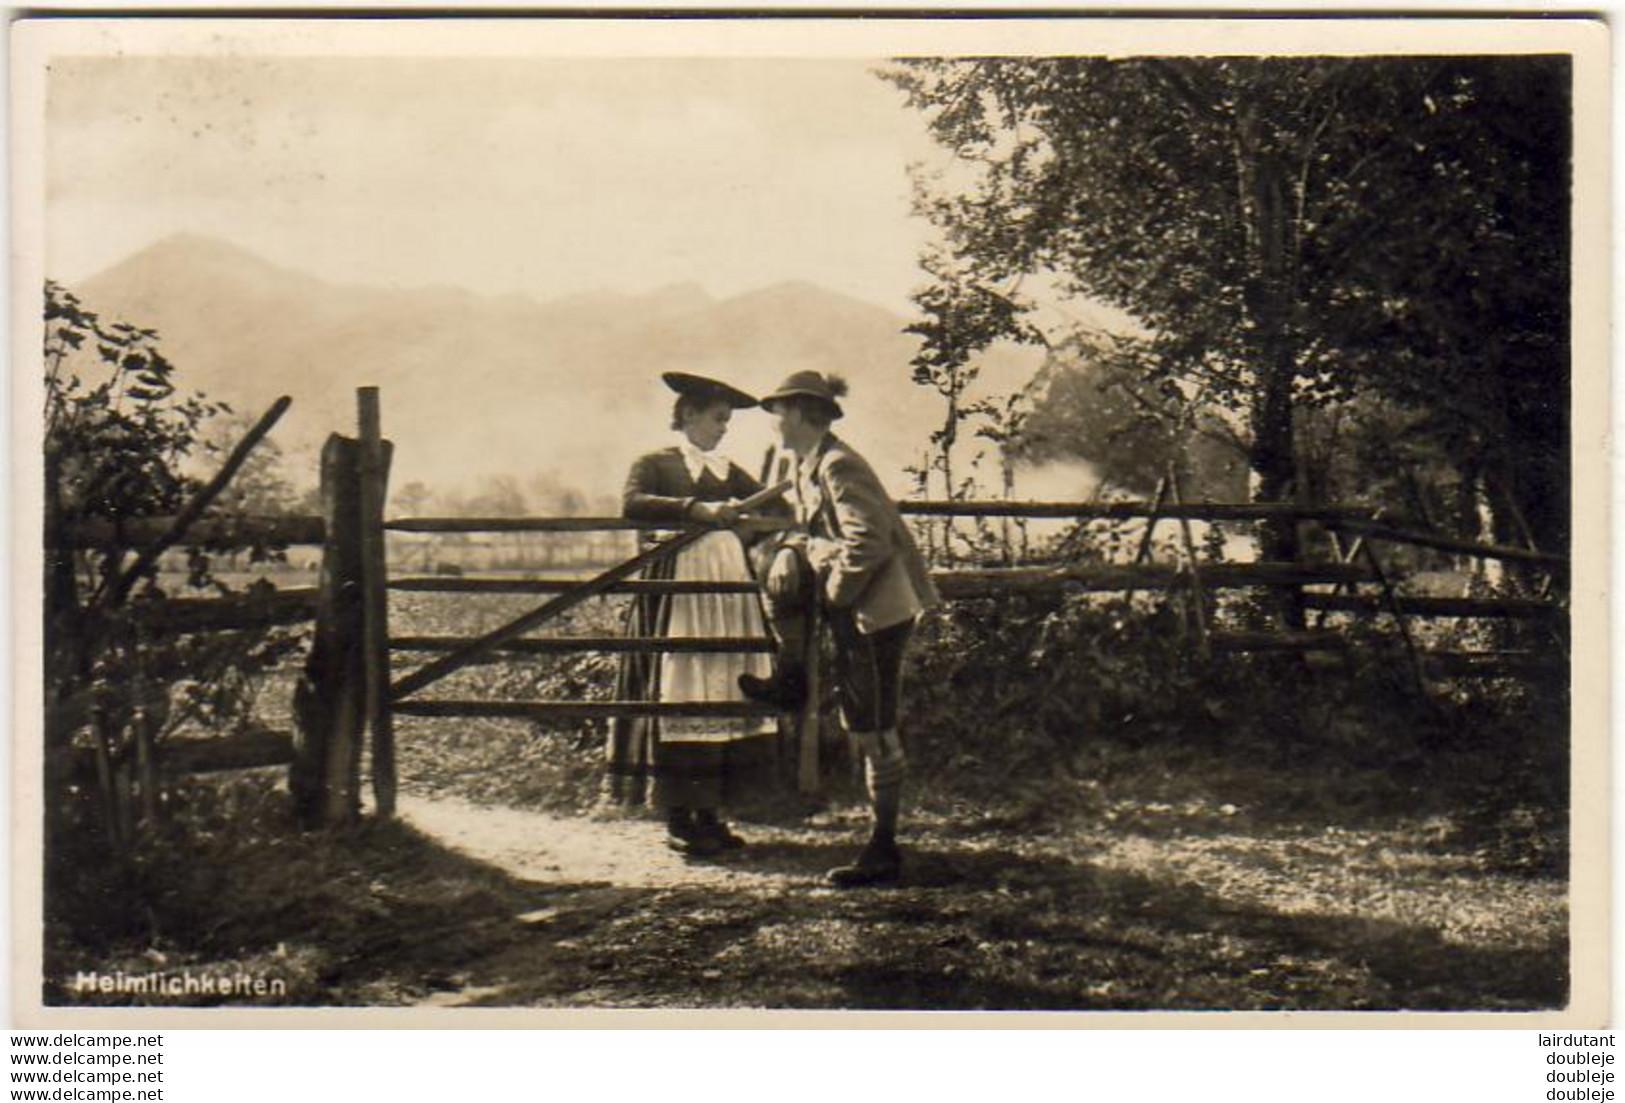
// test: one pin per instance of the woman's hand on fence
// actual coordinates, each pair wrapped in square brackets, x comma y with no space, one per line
[723,513]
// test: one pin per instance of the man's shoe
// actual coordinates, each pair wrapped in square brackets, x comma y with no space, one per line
[879,864]
[726,839]
[786,690]
[693,842]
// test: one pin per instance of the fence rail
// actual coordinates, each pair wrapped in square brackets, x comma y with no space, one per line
[208,531]
[1105,578]
[1509,608]
[619,644]
[230,612]
[523,524]
[579,710]
[439,585]
[1376,530]
[1119,511]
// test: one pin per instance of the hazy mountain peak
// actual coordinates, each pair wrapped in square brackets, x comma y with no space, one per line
[203,251]
[676,298]
[812,303]
[195,268]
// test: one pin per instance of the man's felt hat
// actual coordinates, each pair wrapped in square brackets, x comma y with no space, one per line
[810,384]
[707,390]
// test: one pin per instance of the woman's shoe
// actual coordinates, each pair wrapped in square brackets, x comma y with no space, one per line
[709,823]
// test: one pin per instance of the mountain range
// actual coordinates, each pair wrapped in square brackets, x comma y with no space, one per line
[474,386]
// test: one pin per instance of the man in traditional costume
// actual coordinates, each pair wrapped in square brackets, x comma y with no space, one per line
[852,554]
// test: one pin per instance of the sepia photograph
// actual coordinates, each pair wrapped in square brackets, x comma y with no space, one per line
[1047,515]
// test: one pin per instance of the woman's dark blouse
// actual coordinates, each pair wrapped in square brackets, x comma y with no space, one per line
[659,487]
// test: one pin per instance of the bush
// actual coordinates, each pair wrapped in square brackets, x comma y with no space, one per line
[119,435]
[1028,698]
[1044,679]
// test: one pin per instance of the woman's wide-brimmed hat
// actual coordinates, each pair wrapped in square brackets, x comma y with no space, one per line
[810,384]
[706,390]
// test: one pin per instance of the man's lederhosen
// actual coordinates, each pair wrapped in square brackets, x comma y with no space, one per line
[868,667]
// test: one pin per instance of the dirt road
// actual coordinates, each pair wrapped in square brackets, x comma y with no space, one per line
[1185,909]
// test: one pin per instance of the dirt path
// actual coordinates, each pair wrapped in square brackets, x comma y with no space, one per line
[577,850]
[1185,911]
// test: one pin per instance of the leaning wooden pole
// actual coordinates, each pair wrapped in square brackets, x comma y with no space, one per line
[115,589]
[1391,599]
[375,599]
[809,775]
[1158,500]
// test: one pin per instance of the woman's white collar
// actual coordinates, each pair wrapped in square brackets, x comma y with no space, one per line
[697,461]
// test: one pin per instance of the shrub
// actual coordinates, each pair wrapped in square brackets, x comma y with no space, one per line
[118,438]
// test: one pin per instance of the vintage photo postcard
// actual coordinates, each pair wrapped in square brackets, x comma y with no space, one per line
[626,522]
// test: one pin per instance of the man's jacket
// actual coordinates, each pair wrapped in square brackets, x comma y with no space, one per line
[865,556]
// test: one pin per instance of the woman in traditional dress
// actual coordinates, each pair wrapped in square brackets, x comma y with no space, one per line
[697,765]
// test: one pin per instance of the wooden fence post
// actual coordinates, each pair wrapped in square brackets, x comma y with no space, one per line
[330,699]
[1198,597]
[374,481]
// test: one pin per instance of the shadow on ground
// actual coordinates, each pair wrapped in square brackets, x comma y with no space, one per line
[991,929]
[386,915]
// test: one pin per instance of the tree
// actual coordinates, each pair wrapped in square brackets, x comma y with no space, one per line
[1287,231]
[261,487]
[413,498]
[1087,405]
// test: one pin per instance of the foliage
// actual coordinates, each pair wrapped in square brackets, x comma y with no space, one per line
[1287,232]
[953,315]
[1043,677]
[1049,698]
[116,429]
[119,435]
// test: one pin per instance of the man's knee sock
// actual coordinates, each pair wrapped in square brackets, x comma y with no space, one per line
[791,632]
[884,767]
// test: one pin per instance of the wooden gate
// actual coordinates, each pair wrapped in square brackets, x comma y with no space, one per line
[388,695]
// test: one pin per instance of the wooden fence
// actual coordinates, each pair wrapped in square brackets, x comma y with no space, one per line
[349,687]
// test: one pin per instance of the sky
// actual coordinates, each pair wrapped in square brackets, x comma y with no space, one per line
[542,177]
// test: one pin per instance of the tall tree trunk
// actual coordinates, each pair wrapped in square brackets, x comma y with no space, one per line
[1273,462]
[1264,190]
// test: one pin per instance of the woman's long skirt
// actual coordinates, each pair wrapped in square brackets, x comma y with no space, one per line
[692,762]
